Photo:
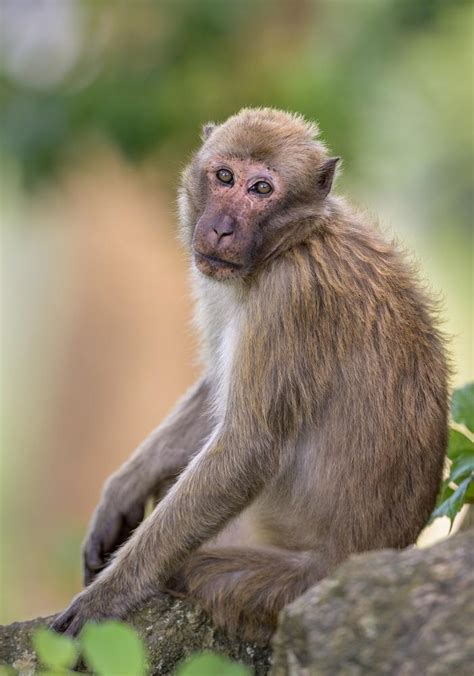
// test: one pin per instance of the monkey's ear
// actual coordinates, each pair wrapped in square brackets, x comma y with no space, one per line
[207,130]
[326,176]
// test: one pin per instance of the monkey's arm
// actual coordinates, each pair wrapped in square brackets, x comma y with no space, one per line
[157,460]
[216,485]
[264,406]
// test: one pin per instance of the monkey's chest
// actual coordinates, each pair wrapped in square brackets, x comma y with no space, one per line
[224,361]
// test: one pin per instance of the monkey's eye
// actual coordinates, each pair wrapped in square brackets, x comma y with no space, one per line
[225,176]
[262,188]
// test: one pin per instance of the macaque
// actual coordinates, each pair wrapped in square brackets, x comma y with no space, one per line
[319,425]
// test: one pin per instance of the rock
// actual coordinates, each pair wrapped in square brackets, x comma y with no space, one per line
[172,630]
[390,612]
[386,612]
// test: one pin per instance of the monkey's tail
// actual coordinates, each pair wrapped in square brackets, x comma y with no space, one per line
[244,589]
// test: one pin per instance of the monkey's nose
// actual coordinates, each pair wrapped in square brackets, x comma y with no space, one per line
[224,227]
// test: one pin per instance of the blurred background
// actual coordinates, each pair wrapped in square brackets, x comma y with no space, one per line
[101,103]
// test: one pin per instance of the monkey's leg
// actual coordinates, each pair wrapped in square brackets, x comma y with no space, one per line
[149,472]
[243,589]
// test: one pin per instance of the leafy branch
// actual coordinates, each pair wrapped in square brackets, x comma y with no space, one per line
[458,488]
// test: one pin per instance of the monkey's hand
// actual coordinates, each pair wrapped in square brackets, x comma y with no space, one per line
[112,524]
[93,604]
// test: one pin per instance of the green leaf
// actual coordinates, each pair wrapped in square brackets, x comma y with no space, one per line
[7,671]
[55,651]
[210,664]
[462,406]
[445,492]
[469,497]
[113,648]
[459,446]
[461,452]
[462,469]
[453,504]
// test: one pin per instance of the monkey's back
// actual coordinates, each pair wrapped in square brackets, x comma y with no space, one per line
[366,465]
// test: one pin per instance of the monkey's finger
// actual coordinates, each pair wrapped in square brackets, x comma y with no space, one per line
[106,538]
[75,626]
[135,515]
[100,544]
[121,530]
[110,535]
[62,621]
[90,574]
[93,560]
[93,556]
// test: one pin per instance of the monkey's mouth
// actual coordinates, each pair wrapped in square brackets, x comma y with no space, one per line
[216,262]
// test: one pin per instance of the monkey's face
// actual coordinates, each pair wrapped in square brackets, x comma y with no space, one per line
[228,236]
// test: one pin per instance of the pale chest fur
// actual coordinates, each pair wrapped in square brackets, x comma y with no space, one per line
[220,311]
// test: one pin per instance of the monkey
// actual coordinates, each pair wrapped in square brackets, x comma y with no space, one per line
[319,426]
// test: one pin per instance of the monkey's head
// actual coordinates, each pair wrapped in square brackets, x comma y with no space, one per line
[251,190]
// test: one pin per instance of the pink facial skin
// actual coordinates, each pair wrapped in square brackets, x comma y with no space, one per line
[228,236]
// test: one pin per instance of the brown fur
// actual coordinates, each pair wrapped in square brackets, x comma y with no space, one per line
[320,426]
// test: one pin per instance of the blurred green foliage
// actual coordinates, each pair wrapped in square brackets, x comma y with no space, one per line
[210,664]
[113,647]
[55,652]
[146,77]
[107,648]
